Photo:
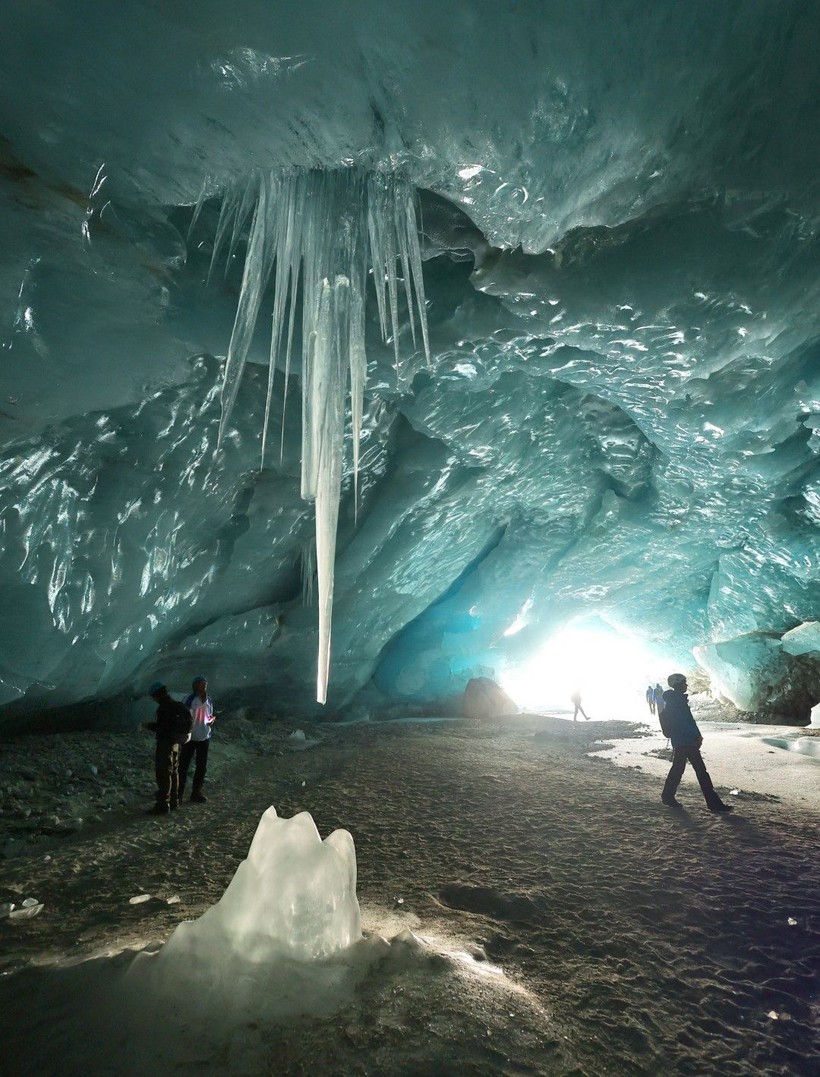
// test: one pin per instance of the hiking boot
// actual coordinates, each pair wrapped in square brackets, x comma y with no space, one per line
[671,802]
[158,809]
[198,797]
[720,806]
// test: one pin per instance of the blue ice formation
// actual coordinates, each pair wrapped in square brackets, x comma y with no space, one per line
[620,415]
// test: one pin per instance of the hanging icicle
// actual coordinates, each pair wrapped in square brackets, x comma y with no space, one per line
[324,232]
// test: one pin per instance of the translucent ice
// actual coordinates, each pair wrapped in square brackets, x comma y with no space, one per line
[621,414]
[293,897]
[328,230]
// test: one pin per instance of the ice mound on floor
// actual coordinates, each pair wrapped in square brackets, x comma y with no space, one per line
[293,897]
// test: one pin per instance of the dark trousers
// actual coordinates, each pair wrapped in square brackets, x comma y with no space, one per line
[167,769]
[680,757]
[198,748]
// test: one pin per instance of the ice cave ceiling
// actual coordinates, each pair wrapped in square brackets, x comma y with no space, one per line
[620,418]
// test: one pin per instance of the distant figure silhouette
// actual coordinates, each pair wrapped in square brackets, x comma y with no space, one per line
[576,699]
[659,703]
[650,698]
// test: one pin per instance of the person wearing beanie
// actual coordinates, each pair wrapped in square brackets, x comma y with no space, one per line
[172,728]
[678,724]
[202,711]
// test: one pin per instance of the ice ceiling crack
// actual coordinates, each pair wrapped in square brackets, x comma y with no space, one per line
[325,231]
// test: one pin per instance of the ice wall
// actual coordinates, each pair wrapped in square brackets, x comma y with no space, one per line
[620,411]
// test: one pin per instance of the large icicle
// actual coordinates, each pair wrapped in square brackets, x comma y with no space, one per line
[325,232]
[254,279]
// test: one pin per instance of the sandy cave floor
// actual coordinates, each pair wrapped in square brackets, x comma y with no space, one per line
[632,939]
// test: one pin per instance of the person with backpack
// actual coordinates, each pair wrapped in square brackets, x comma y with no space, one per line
[678,724]
[657,694]
[172,728]
[202,712]
[650,698]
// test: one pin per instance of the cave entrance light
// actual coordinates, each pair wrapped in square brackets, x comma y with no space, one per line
[609,668]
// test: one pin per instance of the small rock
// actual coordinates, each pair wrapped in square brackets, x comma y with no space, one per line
[25,914]
[139,899]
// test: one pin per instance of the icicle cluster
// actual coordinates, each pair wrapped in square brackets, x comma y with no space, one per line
[322,233]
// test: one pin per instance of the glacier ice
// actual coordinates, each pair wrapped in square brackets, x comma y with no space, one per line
[326,231]
[619,416]
[293,897]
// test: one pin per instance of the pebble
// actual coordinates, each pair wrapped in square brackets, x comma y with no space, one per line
[25,913]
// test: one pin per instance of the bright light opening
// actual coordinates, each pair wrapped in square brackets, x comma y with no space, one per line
[609,670]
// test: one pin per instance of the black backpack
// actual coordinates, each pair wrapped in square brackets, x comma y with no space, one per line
[182,723]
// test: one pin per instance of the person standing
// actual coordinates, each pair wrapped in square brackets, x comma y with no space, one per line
[172,727]
[657,693]
[650,698]
[202,712]
[678,724]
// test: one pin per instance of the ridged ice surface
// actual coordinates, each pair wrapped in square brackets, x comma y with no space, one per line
[321,233]
[620,416]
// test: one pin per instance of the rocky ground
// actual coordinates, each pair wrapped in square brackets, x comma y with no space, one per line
[57,785]
[627,938]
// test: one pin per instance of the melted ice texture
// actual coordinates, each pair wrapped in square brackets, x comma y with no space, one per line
[620,416]
[294,896]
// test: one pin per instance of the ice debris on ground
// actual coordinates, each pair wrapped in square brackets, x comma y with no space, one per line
[29,908]
[801,746]
[293,897]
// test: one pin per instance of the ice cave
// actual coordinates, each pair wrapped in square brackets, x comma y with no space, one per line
[394,363]
[339,338]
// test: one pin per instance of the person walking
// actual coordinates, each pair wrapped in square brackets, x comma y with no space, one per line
[678,724]
[202,712]
[576,701]
[650,698]
[172,727]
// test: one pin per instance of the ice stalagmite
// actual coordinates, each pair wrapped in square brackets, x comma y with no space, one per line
[323,232]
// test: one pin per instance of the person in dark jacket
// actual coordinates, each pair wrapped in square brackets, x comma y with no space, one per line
[172,728]
[678,724]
